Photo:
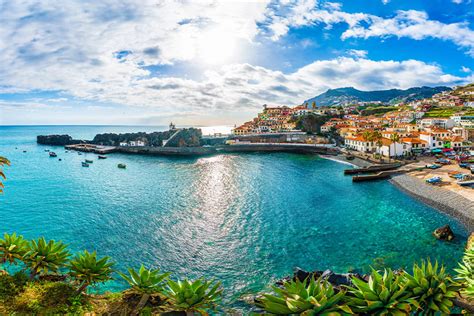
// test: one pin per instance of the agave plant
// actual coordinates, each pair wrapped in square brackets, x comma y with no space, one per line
[12,248]
[313,297]
[146,282]
[465,275]
[87,269]
[383,295]
[3,162]
[193,296]
[431,287]
[44,257]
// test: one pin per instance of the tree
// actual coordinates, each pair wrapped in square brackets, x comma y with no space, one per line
[3,162]
[394,138]
[145,282]
[43,257]
[88,270]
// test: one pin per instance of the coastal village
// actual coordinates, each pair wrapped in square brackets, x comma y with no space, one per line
[432,138]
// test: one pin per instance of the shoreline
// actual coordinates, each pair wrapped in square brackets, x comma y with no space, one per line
[443,200]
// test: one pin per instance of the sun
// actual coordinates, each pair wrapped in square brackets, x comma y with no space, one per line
[216,47]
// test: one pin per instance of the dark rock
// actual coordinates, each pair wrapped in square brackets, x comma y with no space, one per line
[444,233]
[56,140]
[336,279]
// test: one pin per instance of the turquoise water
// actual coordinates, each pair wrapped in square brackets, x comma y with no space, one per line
[243,219]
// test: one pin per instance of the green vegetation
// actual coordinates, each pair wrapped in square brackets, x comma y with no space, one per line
[43,257]
[194,296]
[383,295]
[3,162]
[465,272]
[377,110]
[313,297]
[87,270]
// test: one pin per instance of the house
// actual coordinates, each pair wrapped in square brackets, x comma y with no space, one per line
[441,122]
[393,149]
[359,143]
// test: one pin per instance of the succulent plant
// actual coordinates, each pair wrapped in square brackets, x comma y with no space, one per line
[45,256]
[382,295]
[193,296]
[12,248]
[465,276]
[87,269]
[432,289]
[309,297]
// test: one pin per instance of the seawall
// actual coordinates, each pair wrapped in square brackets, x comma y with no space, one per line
[288,148]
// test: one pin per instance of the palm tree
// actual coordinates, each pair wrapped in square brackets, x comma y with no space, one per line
[3,162]
[87,269]
[394,138]
[145,282]
[368,136]
[12,248]
[43,256]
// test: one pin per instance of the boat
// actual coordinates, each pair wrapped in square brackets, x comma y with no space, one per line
[466,181]
[350,157]
[122,165]
[102,157]
[454,174]
[472,168]
[52,154]
[46,150]
[89,161]
[443,161]
[79,153]
[85,164]
[433,166]
[464,165]
[434,180]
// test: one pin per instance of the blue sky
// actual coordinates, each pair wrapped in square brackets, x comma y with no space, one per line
[217,62]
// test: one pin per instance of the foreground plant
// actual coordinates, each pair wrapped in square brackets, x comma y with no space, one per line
[465,275]
[313,297]
[145,282]
[43,257]
[383,295]
[88,270]
[3,162]
[193,297]
[432,289]
[12,248]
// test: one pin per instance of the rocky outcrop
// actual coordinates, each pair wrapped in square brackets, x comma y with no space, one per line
[336,279]
[56,140]
[444,233]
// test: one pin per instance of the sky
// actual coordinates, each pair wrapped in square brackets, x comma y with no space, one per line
[150,62]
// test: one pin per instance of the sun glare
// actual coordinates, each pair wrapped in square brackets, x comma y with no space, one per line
[216,47]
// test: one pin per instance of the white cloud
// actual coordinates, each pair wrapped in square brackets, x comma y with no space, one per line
[465,69]
[385,1]
[357,53]
[98,51]
[411,23]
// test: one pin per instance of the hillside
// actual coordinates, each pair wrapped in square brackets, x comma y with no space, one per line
[345,96]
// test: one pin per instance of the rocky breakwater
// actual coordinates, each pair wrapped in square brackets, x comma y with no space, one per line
[56,140]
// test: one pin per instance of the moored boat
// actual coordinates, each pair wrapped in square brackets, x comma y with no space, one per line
[122,166]
[89,161]
[466,181]
[52,154]
[433,180]
[85,164]
[102,157]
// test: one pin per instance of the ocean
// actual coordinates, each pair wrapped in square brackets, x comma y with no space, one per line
[244,219]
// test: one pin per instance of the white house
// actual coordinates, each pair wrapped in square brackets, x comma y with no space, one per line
[135,143]
[441,122]
[390,149]
[358,143]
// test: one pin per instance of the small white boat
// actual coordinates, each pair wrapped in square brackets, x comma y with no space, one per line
[466,181]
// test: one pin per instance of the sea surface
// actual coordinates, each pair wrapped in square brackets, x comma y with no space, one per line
[244,219]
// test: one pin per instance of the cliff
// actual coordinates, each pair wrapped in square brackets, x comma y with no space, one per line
[56,140]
